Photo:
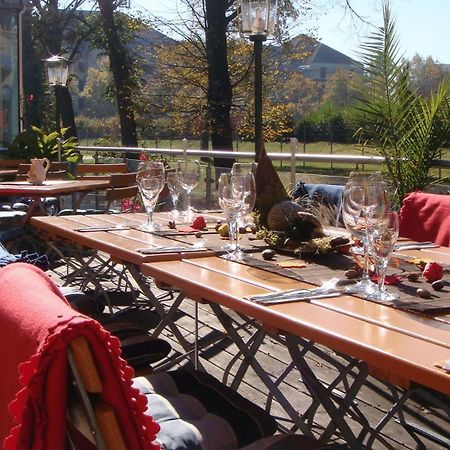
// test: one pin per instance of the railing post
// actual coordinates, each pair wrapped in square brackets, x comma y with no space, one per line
[294,145]
[208,180]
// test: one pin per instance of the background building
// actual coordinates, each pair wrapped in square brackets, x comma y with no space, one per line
[10,84]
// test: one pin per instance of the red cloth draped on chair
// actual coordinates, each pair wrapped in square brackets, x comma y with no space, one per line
[36,327]
[426,217]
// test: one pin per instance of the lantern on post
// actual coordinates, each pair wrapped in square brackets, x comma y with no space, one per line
[57,68]
[257,23]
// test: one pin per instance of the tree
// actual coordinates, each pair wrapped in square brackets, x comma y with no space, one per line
[209,28]
[341,88]
[53,30]
[408,129]
[120,65]
[425,75]
[95,92]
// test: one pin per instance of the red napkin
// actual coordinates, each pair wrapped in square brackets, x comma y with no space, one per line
[426,217]
[36,326]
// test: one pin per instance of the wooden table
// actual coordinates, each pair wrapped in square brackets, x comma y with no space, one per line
[50,188]
[401,347]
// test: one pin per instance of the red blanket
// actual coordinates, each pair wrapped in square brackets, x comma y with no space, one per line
[426,217]
[36,326]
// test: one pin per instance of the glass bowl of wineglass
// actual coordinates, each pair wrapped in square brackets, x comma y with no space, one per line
[150,181]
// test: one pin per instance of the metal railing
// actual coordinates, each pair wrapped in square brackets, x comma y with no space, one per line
[296,155]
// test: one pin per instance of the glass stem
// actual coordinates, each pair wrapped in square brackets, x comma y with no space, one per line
[382,275]
[365,274]
[188,202]
[233,233]
[149,216]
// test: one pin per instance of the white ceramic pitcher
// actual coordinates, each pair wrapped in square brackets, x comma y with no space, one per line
[38,170]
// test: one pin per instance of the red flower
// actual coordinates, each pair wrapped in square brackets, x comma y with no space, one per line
[199,223]
[433,271]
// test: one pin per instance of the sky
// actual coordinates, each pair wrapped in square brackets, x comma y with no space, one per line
[422,25]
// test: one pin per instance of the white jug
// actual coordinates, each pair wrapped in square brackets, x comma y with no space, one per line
[38,170]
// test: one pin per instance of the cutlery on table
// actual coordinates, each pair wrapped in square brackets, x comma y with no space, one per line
[102,228]
[170,249]
[296,298]
[414,245]
[327,289]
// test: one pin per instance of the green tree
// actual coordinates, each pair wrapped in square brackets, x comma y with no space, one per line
[341,88]
[425,75]
[97,102]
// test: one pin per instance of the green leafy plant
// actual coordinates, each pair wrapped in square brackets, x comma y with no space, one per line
[407,129]
[35,143]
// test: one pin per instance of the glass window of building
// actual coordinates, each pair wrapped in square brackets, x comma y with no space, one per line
[9,73]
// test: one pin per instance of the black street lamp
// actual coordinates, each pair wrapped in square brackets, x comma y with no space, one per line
[57,69]
[257,22]
[57,73]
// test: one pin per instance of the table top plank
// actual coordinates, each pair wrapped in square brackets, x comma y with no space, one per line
[50,187]
[121,244]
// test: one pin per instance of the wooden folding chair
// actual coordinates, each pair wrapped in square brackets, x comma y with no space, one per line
[57,171]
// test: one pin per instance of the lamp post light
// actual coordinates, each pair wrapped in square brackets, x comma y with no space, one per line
[57,68]
[257,22]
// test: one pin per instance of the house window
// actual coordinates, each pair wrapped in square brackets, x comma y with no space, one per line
[323,73]
[9,76]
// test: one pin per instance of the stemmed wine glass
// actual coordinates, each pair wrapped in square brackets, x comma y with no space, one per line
[243,169]
[363,200]
[188,176]
[382,235]
[150,181]
[173,184]
[232,193]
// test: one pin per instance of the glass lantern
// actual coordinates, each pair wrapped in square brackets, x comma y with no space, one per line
[57,70]
[257,18]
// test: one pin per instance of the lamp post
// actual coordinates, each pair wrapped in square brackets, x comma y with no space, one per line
[57,69]
[257,22]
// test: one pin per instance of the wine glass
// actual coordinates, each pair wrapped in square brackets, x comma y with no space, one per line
[363,200]
[150,181]
[188,176]
[173,184]
[242,169]
[382,236]
[231,199]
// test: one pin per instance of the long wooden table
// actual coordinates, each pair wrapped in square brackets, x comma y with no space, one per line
[50,188]
[403,347]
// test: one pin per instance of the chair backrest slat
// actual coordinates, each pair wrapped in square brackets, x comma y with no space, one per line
[99,171]
[11,163]
[95,414]
[56,171]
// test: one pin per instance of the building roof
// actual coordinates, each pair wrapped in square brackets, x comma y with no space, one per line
[312,51]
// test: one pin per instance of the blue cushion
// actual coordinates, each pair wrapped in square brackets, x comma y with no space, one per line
[327,193]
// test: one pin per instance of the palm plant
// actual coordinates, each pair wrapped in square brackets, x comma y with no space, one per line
[407,129]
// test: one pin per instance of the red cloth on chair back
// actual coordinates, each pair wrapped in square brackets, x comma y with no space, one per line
[426,217]
[36,327]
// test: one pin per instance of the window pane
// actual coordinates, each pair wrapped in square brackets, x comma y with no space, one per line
[9,91]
